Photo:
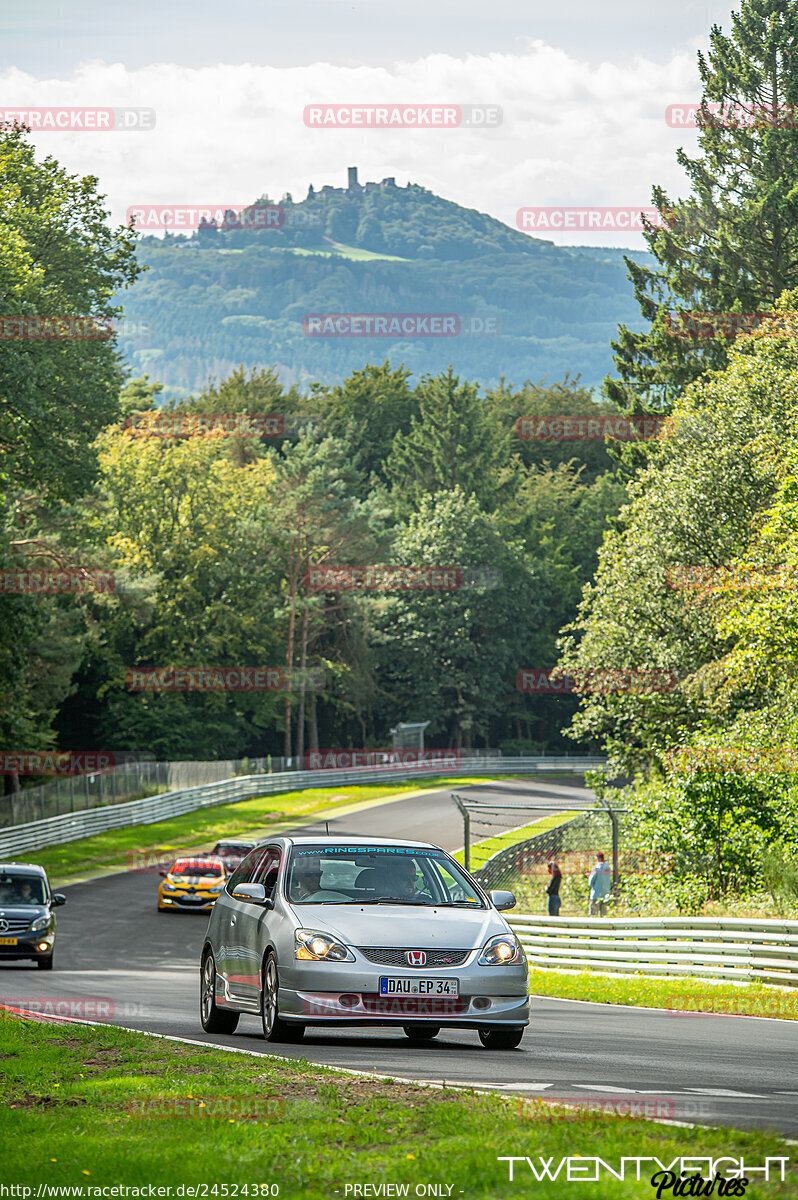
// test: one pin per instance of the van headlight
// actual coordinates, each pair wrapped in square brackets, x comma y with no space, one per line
[313,945]
[39,923]
[501,951]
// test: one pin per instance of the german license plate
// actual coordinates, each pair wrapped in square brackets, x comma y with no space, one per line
[397,985]
[9,941]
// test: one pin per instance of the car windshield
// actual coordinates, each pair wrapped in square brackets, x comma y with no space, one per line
[22,889]
[231,848]
[196,867]
[320,874]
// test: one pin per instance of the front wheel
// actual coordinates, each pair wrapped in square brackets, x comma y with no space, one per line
[275,1029]
[213,1018]
[501,1039]
[421,1032]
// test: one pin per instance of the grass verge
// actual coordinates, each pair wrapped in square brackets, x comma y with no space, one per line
[690,996]
[485,849]
[75,1099]
[258,817]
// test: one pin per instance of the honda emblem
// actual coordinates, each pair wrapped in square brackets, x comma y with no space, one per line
[416,958]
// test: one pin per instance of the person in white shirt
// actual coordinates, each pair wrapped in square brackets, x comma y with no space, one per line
[600,883]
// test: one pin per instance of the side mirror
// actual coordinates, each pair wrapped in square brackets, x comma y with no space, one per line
[163,871]
[502,900]
[255,893]
[58,899]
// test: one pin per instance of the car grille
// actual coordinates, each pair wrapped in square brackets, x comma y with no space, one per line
[414,1006]
[15,925]
[389,957]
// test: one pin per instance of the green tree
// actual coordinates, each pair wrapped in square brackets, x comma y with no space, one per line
[59,258]
[732,246]
[451,656]
[453,442]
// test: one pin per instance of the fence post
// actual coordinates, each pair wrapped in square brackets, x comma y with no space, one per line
[466,831]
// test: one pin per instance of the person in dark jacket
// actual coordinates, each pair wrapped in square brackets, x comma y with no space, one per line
[553,890]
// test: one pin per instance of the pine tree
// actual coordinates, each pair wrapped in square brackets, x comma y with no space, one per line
[732,246]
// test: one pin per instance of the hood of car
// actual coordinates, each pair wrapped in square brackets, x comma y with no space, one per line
[404,928]
[194,880]
[23,910]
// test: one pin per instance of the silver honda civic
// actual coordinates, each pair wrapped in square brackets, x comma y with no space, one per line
[362,931]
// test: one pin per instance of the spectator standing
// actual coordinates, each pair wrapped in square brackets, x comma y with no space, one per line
[553,890]
[600,882]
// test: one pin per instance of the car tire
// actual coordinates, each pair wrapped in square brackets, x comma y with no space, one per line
[501,1039]
[45,964]
[422,1031]
[213,1018]
[275,1029]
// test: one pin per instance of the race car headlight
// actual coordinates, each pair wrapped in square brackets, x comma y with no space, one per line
[313,945]
[215,887]
[39,923]
[500,951]
[168,887]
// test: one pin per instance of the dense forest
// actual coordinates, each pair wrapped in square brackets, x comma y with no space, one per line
[670,558]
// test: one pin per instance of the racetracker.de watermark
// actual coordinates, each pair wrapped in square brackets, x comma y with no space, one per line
[621,219]
[81,120]
[587,429]
[328,759]
[74,1008]
[55,328]
[720,114]
[601,680]
[381,579]
[225,217]
[154,424]
[223,679]
[53,762]
[402,116]
[53,583]
[399,325]
[706,325]
[228,1108]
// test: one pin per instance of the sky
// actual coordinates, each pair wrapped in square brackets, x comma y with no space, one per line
[581,88]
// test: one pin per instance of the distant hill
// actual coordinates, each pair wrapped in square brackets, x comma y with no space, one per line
[228,295]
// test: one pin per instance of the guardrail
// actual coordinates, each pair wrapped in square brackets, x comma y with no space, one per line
[717,949]
[20,839]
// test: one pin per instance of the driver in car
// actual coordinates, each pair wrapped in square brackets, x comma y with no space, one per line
[306,881]
[24,893]
[400,880]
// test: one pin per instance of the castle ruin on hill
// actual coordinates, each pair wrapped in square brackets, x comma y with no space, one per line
[354,188]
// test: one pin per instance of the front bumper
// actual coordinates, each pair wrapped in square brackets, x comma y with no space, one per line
[319,993]
[188,901]
[28,946]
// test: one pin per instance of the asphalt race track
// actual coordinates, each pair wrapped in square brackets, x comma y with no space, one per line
[138,968]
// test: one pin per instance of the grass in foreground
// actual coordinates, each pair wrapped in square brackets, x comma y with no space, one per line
[72,1098]
[261,815]
[689,996]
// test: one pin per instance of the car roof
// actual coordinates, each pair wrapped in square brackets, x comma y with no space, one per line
[199,860]
[22,866]
[343,840]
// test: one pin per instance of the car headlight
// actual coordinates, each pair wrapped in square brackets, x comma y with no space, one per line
[502,950]
[39,923]
[168,887]
[313,945]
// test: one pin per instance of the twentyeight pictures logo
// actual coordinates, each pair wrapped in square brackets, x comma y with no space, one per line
[402,116]
[81,120]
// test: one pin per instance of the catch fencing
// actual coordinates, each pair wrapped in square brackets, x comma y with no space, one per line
[715,949]
[68,827]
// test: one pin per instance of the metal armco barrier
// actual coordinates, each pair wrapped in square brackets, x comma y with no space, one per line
[717,949]
[19,839]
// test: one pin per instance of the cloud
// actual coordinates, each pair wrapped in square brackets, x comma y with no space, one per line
[573,133]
